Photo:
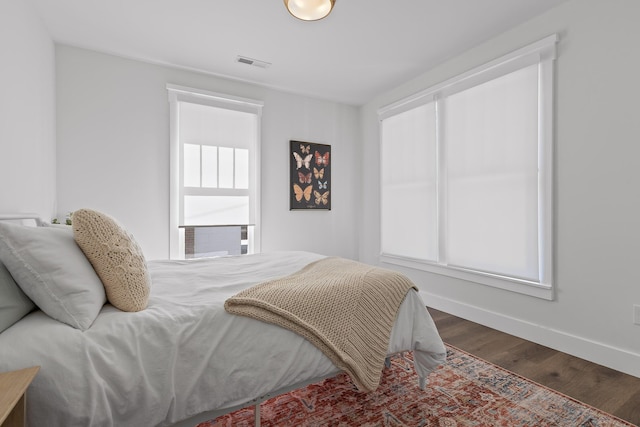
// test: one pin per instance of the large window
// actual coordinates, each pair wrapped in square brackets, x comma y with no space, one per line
[214,170]
[466,175]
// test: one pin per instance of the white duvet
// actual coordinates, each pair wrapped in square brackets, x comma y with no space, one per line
[183,355]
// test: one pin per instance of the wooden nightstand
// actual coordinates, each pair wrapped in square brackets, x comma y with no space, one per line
[13,390]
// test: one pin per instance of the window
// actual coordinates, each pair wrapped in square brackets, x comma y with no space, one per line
[214,170]
[466,175]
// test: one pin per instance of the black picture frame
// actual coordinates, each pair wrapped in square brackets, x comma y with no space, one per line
[310,176]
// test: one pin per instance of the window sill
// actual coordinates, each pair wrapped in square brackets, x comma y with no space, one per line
[506,283]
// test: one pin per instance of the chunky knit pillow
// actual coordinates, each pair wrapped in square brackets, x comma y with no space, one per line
[115,256]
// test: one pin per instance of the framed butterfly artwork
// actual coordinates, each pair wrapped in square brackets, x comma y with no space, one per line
[310,175]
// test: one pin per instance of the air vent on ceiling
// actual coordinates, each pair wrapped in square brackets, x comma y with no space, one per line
[251,61]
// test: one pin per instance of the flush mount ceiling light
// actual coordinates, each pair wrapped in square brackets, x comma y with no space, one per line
[309,10]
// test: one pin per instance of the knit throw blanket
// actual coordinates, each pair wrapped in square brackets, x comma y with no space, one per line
[345,308]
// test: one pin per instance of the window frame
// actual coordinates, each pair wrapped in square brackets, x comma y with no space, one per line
[543,53]
[177,190]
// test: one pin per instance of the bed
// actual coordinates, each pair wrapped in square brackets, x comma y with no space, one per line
[183,359]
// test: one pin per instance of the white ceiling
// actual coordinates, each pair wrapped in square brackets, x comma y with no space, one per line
[362,49]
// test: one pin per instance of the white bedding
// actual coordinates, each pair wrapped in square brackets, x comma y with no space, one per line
[184,354]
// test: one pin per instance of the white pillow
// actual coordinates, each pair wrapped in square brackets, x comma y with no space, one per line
[14,304]
[51,269]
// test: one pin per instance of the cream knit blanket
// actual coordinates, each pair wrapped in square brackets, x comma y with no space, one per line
[345,308]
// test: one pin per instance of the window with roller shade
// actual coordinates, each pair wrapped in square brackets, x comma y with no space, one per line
[466,175]
[214,169]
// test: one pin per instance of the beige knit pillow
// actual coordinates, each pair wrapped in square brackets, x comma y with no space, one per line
[115,256]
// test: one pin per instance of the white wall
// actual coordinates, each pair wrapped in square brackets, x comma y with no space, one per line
[289,117]
[27,112]
[113,151]
[597,211]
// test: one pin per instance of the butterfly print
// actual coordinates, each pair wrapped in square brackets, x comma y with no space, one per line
[321,198]
[318,174]
[304,178]
[321,186]
[300,161]
[322,160]
[300,193]
[305,150]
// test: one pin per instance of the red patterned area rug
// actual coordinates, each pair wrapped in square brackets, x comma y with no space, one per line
[466,391]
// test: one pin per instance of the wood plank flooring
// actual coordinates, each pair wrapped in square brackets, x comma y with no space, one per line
[606,389]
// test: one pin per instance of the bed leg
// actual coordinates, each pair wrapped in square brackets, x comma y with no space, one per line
[423,383]
[256,415]
[387,362]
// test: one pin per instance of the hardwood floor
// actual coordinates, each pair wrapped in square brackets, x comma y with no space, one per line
[611,391]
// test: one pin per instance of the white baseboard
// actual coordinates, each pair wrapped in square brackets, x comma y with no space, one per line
[596,352]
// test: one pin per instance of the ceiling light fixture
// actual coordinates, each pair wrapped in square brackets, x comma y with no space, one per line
[309,10]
